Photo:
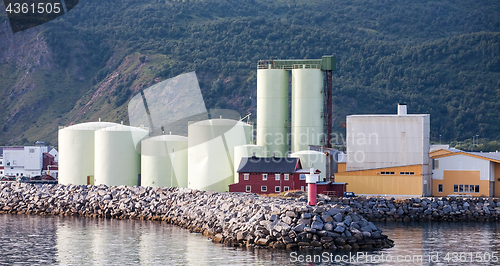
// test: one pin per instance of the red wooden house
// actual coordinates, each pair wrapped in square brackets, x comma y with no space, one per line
[269,175]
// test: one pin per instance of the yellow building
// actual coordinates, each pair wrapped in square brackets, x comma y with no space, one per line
[387,155]
[402,181]
[465,173]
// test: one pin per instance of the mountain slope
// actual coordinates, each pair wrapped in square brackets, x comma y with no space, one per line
[441,57]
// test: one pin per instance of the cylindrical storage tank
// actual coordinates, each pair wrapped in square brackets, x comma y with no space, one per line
[164,161]
[211,152]
[307,108]
[314,159]
[272,111]
[76,152]
[117,158]
[245,151]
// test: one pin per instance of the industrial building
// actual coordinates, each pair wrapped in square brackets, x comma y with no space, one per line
[28,161]
[456,172]
[387,154]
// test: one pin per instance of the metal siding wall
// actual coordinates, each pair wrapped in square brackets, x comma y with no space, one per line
[462,162]
[376,141]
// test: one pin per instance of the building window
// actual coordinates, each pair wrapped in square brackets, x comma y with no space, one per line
[264,176]
[440,188]
[455,188]
[245,176]
[277,189]
[436,164]
[248,188]
[477,189]
[466,188]
[407,173]
[287,177]
[302,188]
[461,188]
[277,176]
[302,177]
[386,173]
[263,188]
[286,188]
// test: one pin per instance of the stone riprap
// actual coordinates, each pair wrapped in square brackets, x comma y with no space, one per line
[427,209]
[235,219]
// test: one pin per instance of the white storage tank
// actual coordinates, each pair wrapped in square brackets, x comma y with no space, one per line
[117,158]
[245,151]
[164,161]
[307,108]
[273,111]
[314,159]
[211,152]
[76,152]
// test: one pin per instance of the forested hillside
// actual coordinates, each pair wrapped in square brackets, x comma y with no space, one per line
[440,57]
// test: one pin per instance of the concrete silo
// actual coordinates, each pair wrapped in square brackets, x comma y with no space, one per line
[76,152]
[272,110]
[211,152]
[245,151]
[313,159]
[117,158]
[164,161]
[307,108]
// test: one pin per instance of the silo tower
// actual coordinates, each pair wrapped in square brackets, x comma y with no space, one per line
[311,104]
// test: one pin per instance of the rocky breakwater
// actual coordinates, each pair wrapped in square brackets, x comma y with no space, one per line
[427,209]
[243,220]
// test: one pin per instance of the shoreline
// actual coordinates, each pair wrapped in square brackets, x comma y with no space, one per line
[248,220]
[232,219]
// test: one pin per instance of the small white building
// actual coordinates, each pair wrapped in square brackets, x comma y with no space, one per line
[23,161]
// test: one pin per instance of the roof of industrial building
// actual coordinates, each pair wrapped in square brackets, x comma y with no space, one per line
[268,165]
[490,156]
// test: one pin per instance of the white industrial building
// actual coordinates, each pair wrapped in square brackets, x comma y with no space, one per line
[393,152]
[24,161]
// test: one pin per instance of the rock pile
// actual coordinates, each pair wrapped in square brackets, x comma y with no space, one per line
[235,219]
[427,209]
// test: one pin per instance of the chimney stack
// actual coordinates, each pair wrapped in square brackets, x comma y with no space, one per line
[402,109]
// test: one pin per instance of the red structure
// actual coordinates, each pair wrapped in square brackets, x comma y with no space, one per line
[269,175]
[48,159]
[334,189]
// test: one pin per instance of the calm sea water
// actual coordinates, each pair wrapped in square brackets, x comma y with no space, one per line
[84,241]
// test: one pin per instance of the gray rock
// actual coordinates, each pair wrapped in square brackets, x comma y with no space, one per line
[339,229]
[338,217]
[317,225]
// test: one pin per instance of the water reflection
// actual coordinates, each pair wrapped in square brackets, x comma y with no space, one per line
[88,241]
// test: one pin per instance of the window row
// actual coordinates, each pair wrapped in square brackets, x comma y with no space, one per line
[264,189]
[401,173]
[406,173]
[466,188]
[461,188]
[277,177]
